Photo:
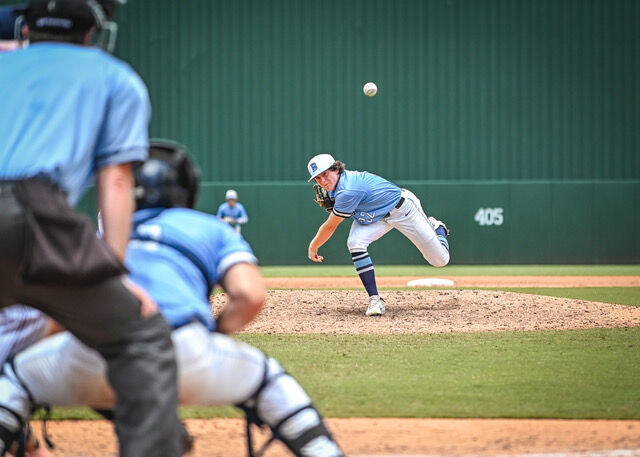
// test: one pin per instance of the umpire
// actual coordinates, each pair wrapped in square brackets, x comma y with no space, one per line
[69,112]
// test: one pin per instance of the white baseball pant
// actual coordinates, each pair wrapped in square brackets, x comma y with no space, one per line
[412,222]
[213,370]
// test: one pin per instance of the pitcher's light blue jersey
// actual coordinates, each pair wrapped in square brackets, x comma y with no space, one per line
[86,111]
[192,250]
[237,212]
[365,196]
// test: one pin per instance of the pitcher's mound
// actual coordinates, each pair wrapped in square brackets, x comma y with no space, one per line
[430,311]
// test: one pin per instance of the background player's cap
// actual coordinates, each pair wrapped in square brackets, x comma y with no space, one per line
[319,163]
[231,195]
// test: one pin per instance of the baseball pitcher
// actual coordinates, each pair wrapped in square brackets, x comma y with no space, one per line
[376,206]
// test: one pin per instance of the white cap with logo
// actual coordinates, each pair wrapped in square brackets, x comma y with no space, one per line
[319,163]
[231,195]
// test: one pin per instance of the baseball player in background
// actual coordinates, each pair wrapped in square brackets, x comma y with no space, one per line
[376,206]
[178,255]
[70,112]
[232,211]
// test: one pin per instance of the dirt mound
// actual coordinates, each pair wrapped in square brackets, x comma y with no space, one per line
[430,311]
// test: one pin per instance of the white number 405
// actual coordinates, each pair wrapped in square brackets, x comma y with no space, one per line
[489,216]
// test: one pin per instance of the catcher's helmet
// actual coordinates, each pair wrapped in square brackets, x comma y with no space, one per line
[167,179]
[69,17]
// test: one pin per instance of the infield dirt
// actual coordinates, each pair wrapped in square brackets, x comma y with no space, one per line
[412,311]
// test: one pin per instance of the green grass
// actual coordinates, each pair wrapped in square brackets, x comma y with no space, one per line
[614,295]
[456,270]
[591,373]
[566,374]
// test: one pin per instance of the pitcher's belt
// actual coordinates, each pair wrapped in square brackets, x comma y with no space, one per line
[398,205]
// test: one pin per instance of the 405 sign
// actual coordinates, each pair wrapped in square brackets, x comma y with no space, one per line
[489,216]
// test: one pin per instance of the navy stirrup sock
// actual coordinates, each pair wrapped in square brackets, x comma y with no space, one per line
[364,268]
[442,236]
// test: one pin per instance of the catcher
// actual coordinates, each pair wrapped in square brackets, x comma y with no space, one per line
[376,206]
[179,254]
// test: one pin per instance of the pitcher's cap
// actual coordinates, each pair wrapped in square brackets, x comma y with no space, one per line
[231,195]
[319,163]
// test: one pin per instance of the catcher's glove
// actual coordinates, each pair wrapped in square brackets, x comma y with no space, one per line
[322,198]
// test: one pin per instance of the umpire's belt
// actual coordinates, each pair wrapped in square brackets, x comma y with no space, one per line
[398,205]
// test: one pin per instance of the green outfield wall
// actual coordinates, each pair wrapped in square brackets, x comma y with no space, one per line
[507,223]
[468,89]
[511,222]
[516,121]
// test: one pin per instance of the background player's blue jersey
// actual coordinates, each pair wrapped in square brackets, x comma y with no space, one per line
[192,250]
[86,111]
[365,196]
[237,212]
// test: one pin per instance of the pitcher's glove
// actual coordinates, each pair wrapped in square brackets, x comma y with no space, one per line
[322,198]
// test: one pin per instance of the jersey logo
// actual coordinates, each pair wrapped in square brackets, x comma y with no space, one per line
[365,218]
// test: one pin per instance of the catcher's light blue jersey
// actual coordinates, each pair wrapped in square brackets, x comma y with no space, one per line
[86,111]
[192,250]
[237,212]
[364,196]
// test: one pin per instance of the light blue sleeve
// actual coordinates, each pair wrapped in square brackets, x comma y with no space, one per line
[125,134]
[232,249]
[220,213]
[244,217]
[220,246]
[347,201]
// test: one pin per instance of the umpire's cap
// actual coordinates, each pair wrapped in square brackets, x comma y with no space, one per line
[68,16]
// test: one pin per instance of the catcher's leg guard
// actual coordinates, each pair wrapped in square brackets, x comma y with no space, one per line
[10,428]
[15,407]
[281,403]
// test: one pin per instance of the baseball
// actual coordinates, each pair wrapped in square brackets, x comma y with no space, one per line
[370,89]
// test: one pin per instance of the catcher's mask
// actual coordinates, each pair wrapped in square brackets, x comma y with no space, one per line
[69,17]
[167,179]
